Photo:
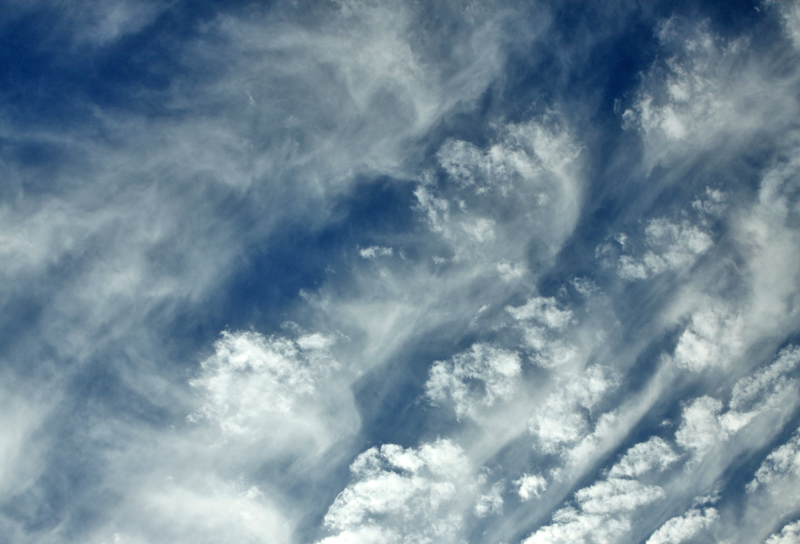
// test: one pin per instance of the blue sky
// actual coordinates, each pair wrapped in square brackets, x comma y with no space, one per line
[361,272]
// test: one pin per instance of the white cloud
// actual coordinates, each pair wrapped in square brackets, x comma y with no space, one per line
[768,385]
[543,324]
[714,202]
[781,465]
[561,420]
[701,430]
[250,377]
[703,96]
[530,486]
[706,426]
[671,247]
[616,495]
[790,534]
[711,339]
[543,310]
[403,495]
[528,165]
[490,503]
[374,252]
[224,513]
[644,457]
[602,513]
[510,272]
[495,371]
[790,13]
[682,528]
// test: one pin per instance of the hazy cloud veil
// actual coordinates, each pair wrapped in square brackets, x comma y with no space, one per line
[351,272]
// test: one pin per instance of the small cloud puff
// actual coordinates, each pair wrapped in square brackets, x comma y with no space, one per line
[711,339]
[373,252]
[530,486]
[643,457]
[476,378]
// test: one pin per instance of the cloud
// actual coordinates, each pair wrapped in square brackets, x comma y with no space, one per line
[768,395]
[374,252]
[534,164]
[530,486]
[790,13]
[643,457]
[250,377]
[543,324]
[700,97]
[712,338]
[402,495]
[790,533]
[561,420]
[491,503]
[214,184]
[476,378]
[672,247]
[781,466]
[682,528]
[602,513]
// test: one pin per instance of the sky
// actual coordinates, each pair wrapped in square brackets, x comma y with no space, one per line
[399,272]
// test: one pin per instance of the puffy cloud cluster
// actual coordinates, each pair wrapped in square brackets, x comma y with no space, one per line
[562,419]
[251,376]
[706,426]
[602,512]
[644,457]
[478,377]
[404,495]
[781,468]
[683,528]
[788,535]
[711,339]
[705,96]
[543,325]
[533,165]
[530,486]
[671,247]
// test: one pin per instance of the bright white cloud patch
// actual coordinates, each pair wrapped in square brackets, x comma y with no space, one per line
[643,457]
[251,378]
[403,495]
[685,527]
[562,419]
[781,467]
[788,535]
[530,486]
[478,377]
[601,513]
